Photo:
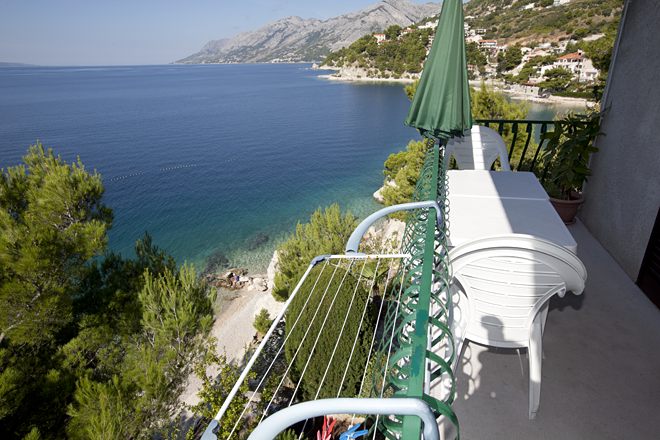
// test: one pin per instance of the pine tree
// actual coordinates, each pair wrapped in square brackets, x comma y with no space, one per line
[175,308]
[262,321]
[326,233]
[176,316]
[215,390]
[103,411]
[52,222]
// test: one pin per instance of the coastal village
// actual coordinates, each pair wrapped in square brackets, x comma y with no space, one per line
[536,70]
[581,67]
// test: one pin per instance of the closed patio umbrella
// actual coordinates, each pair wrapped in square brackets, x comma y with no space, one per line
[441,106]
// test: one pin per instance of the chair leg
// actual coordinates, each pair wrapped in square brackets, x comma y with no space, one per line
[458,354]
[535,353]
[458,324]
[543,315]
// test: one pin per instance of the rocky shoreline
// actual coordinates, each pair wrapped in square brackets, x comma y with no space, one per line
[530,93]
[520,93]
[360,75]
[378,195]
[238,302]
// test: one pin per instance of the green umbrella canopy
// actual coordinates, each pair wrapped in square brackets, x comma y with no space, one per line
[441,106]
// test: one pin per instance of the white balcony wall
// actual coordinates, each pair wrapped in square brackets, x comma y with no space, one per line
[623,195]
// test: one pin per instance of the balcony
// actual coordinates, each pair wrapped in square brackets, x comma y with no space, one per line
[600,373]
[599,377]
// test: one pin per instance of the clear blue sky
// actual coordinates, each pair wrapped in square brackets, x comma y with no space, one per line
[105,32]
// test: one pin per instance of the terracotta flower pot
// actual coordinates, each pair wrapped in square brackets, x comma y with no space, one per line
[567,209]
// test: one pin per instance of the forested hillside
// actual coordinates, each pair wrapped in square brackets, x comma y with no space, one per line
[398,54]
[517,21]
[513,23]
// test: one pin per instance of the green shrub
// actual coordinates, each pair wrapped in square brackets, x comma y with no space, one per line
[262,322]
[335,288]
[326,233]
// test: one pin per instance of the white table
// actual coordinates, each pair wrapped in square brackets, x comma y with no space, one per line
[475,210]
[497,184]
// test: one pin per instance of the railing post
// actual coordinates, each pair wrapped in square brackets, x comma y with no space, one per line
[514,130]
[420,338]
[530,127]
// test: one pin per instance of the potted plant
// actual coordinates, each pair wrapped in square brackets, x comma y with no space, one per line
[566,161]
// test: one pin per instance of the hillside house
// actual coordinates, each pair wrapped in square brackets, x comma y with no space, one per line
[380,38]
[429,25]
[580,66]
[488,44]
[474,38]
[533,53]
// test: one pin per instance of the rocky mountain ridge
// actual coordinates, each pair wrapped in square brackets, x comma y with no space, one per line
[296,39]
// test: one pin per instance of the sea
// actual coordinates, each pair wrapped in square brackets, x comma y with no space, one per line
[211,159]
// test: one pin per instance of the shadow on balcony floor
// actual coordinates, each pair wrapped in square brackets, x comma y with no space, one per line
[601,366]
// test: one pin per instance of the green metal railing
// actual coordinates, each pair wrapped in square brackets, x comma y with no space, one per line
[524,139]
[420,316]
[415,353]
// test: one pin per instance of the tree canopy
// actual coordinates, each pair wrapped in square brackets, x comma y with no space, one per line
[326,233]
[509,59]
[398,54]
[557,79]
[401,173]
[329,342]
[52,221]
[93,345]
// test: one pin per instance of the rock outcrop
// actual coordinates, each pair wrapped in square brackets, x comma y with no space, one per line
[378,195]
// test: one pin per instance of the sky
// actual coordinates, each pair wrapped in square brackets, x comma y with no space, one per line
[130,32]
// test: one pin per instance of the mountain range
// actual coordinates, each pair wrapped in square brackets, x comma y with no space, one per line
[295,39]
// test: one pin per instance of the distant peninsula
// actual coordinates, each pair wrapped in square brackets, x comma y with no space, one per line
[7,64]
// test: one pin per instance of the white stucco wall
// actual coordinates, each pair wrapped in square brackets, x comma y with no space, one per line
[623,195]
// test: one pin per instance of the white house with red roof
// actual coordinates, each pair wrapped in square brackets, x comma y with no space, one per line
[576,63]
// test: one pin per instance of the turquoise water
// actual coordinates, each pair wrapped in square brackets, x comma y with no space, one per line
[210,158]
[544,112]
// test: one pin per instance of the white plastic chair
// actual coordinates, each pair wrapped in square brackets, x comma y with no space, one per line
[502,286]
[479,150]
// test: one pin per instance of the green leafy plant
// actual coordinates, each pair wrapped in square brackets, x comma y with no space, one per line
[326,233]
[289,434]
[215,389]
[566,155]
[262,321]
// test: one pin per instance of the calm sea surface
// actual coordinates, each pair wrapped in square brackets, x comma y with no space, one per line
[211,158]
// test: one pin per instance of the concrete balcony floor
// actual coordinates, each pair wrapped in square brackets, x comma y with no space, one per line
[601,366]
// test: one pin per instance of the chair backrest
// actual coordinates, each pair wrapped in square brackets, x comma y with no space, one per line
[506,281]
[479,150]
